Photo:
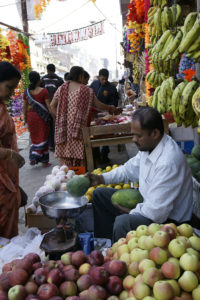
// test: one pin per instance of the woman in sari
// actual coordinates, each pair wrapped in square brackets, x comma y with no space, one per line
[71,106]
[36,113]
[10,160]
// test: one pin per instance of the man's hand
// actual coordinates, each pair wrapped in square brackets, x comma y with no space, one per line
[123,210]
[95,179]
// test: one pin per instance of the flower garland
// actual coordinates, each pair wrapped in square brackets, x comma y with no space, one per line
[14,48]
[39,7]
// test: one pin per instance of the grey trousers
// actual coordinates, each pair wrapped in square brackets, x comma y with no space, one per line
[108,221]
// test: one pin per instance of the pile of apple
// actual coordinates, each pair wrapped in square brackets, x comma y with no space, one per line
[163,262]
[75,276]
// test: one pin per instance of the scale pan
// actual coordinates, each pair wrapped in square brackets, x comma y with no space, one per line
[61,205]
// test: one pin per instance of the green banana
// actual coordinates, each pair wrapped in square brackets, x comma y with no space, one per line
[176,101]
[168,16]
[161,42]
[175,54]
[196,55]
[195,46]
[190,37]
[174,44]
[155,2]
[170,42]
[196,102]
[157,21]
[155,99]
[186,97]
[189,22]
[163,3]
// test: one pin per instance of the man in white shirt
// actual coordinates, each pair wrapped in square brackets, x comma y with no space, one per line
[165,182]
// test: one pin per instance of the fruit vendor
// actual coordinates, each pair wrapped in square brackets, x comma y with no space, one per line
[165,182]
[106,92]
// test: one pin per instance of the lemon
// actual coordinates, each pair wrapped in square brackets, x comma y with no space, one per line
[118,187]
[108,168]
[121,183]
[90,190]
[102,185]
[98,172]
[109,186]
[126,186]
[99,169]
[115,166]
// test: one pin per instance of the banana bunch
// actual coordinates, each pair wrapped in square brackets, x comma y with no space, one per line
[181,105]
[165,55]
[162,96]
[161,20]
[196,106]
[155,78]
[160,3]
[190,43]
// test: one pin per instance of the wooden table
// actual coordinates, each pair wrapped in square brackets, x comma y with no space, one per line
[104,135]
[107,135]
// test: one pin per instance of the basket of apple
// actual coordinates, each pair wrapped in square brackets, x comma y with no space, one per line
[163,262]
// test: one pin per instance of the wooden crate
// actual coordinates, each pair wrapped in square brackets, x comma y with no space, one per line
[40,221]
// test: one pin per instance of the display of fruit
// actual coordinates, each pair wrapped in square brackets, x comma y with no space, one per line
[162,260]
[127,198]
[119,186]
[196,106]
[194,162]
[78,185]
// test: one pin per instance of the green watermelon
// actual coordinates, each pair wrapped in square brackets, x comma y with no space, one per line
[191,160]
[78,185]
[127,198]
[195,168]
[196,152]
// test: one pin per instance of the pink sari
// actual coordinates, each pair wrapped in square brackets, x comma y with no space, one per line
[9,178]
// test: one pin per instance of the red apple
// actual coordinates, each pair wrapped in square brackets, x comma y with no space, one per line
[60,265]
[3,295]
[161,238]
[40,276]
[151,275]
[73,298]
[31,287]
[17,292]
[90,260]
[71,274]
[96,292]
[7,267]
[33,257]
[68,288]
[56,298]
[67,267]
[66,258]
[5,281]
[24,264]
[98,257]
[171,270]
[78,258]
[37,265]
[18,277]
[84,282]
[117,267]
[47,291]
[133,268]
[84,295]
[51,264]
[170,230]
[186,296]
[55,277]
[99,275]
[114,285]
[32,297]
[163,290]
[158,255]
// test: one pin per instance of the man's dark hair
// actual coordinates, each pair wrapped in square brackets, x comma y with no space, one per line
[130,79]
[75,73]
[86,75]
[104,72]
[149,119]
[51,68]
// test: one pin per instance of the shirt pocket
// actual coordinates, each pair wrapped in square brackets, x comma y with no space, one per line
[150,174]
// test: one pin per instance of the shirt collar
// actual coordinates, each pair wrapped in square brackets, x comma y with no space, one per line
[153,156]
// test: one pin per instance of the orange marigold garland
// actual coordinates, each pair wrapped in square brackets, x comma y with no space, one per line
[39,7]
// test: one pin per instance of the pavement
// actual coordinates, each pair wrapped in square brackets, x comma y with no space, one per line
[33,177]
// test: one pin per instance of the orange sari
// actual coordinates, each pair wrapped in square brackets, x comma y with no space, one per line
[9,178]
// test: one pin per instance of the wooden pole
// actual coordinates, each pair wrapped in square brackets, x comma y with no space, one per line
[14,28]
[24,17]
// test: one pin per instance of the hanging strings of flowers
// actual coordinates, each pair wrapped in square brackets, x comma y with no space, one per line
[14,49]
[39,7]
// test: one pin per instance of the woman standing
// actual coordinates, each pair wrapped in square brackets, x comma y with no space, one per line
[71,106]
[10,160]
[36,113]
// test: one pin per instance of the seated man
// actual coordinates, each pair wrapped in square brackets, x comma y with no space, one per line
[165,182]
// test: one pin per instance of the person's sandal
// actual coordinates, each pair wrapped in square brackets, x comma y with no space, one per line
[46,165]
